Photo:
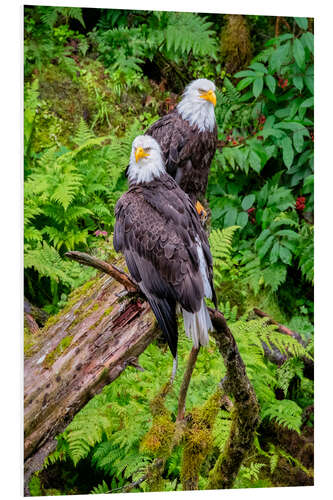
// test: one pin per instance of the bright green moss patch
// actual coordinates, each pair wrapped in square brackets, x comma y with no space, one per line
[61,347]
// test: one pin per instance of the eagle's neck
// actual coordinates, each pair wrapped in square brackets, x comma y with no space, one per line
[198,113]
[147,172]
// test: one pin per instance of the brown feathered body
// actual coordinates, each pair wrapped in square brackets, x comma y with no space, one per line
[187,151]
[158,231]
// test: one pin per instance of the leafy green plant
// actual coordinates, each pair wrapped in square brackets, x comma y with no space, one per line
[70,195]
[125,49]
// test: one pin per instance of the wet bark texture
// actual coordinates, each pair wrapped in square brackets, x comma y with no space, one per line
[74,356]
[245,416]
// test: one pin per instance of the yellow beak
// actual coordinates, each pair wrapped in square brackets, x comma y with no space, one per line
[140,153]
[209,96]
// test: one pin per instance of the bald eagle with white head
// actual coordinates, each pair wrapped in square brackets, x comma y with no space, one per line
[188,138]
[165,246]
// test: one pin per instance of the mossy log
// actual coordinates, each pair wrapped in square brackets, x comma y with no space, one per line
[86,346]
[89,343]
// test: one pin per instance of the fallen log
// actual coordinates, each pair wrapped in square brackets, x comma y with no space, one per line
[86,346]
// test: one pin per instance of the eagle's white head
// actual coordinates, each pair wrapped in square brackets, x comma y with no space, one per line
[197,104]
[146,161]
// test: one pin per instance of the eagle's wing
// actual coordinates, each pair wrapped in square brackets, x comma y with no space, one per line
[157,233]
[172,134]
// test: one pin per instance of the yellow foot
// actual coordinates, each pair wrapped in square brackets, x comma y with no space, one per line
[201,211]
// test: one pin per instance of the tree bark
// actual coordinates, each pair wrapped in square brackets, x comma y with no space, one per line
[86,346]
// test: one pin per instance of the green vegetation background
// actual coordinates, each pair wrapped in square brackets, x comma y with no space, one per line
[96,78]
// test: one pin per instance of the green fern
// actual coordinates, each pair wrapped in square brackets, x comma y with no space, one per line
[187,32]
[291,368]
[101,488]
[221,243]
[83,133]
[221,429]
[285,412]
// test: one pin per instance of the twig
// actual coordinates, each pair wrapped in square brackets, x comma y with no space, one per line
[105,267]
[186,382]
[277,22]
[281,328]
[157,463]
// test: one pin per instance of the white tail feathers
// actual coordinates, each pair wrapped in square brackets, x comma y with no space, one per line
[197,325]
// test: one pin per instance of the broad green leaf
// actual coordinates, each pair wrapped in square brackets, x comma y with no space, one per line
[258,86]
[255,162]
[299,54]
[308,184]
[288,232]
[298,140]
[294,126]
[285,255]
[240,158]
[285,36]
[242,219]
[271,83]
[302,22]
[266,246]
[308,103]
[309,82]
[307,39]
[242,74]
[283,221]
[262,237]
[272,132]
[258,67]
[229,156]
[230,218]
[288,152]
[248,201]
[298,82]
[279,57]
[244,83]
[274,255]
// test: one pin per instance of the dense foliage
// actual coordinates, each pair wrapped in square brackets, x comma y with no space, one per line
[96,78]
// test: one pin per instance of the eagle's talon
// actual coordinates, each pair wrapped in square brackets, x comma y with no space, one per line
[201,211]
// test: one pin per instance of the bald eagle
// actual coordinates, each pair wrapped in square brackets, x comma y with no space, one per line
[166,249]
[188,138]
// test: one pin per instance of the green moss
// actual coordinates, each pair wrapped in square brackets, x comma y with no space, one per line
[53,355]
[35,485]
[199,440]
[52,320]
[73,297]
[105,313]
[29,342]
[159,440]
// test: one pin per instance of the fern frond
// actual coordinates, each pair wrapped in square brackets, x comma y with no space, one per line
[187,32]
[83,133]
[285,412]
[221,243]
[221,429]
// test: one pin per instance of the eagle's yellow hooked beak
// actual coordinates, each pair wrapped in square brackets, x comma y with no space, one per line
[140,153]
[209,96]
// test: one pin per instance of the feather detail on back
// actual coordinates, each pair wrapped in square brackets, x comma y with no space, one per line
[188,139]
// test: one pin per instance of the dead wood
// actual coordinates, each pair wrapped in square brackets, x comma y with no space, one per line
[275,356]
[86,346]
